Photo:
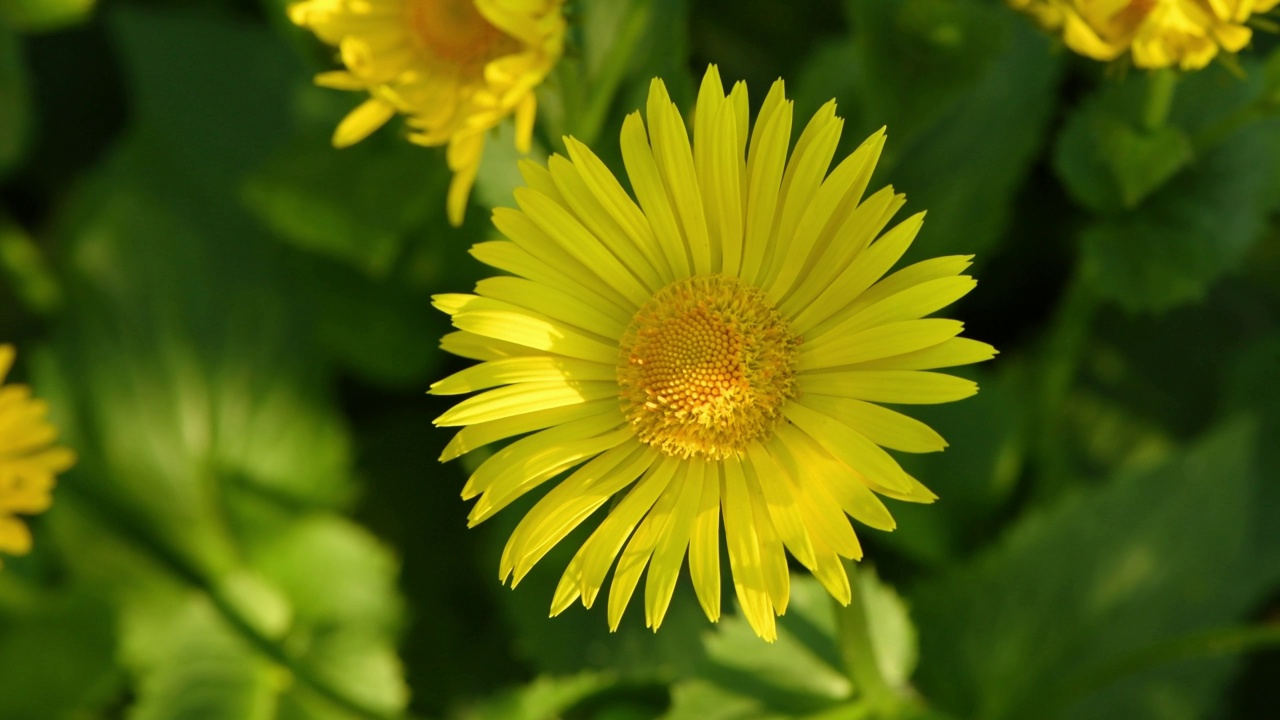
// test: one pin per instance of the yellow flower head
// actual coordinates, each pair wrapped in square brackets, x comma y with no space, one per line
[716,350]
[28,459]
[1158,33]
[454,68]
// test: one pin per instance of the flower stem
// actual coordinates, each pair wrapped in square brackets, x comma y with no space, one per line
[853,632]
[1160,87]
[1061,354]
[604,83]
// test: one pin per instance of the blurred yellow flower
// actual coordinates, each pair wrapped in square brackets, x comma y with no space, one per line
[1157,33]
[454,68]
[28,459]
[718,350]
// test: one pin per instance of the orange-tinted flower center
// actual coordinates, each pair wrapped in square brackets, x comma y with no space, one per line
[455,31]
[706,366]
[1131,15]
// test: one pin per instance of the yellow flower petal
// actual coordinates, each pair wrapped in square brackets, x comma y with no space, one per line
[704,546]
[571,502]
[712,349]
[454,68]
[744,551]
[668,555]
[480,434]
[1186,33]
[29,461]
[882,341]
[910,387]
[851,447]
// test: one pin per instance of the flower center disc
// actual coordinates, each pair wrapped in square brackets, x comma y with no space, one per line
[455,31]
[705,367]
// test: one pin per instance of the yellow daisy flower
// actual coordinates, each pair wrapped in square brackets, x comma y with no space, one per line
[718,350]
[28,459]
[1158,33]
[454,68]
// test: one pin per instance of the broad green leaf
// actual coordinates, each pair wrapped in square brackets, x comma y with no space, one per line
[335,572]
[188,367]
[202,672]
[1152,556]
[1250,385]
[357,205]
[1105,155]
[341,583]
[1195,229]
[56,652]
[44,15]
[801,674]
[798,673]
[967,168]
[546,698]
[1109,163]
[363,666]
[189,72]
[965,90]
[893,636]
[919,58]
[1177,205]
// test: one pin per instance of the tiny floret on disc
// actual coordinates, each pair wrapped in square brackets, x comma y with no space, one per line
[705,367]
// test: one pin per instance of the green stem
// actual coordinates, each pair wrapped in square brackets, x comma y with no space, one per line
[1160,87]
[119,520]
[1209,644]
[854,636]
[23,263]
[1059,366]
[604,84]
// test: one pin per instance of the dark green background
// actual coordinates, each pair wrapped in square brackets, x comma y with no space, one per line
[232,322]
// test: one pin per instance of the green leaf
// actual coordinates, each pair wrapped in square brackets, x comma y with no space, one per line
[202,672]
[382,328]
[1106,157]
[1196,228]
[188,71]
[1148,558]
[966,90]
[207,380]
[1250,385]
[56,652]
[547,698]
[15,100]
[801,674]
[920,58]
[974,477]
[1109,164]
[341,583]
[196,666]
[357,586]
[893,636]
[44,15]
[362,666]
[357,205]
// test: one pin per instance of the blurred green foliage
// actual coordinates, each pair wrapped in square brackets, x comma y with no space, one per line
[232,322]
